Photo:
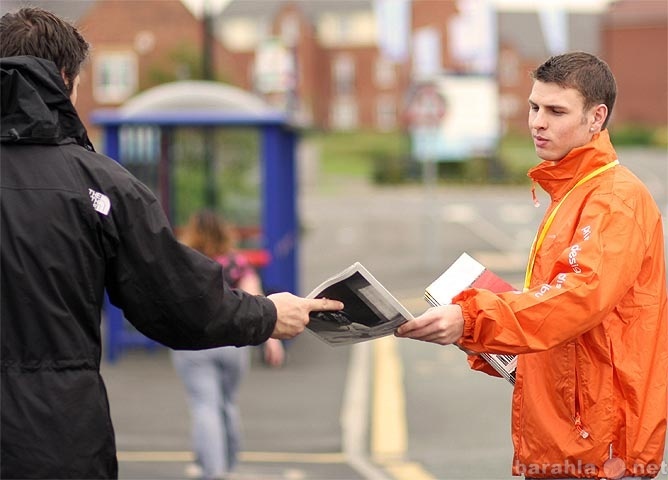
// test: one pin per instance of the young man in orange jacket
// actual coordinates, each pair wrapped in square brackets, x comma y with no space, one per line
[590,327]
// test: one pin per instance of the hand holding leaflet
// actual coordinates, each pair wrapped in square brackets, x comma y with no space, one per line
[464,273]
[369,312]
[293,313]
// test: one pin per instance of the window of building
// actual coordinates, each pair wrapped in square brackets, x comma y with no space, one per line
[510,106]
[114,76]
[290,30]
[344,75]
[243,34]
[509,69]
[386,113]
[344,114]
[385,74]
[344,28]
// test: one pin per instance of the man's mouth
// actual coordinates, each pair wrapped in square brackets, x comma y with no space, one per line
[539,141]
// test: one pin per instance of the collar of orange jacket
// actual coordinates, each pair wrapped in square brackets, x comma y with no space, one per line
[557,178]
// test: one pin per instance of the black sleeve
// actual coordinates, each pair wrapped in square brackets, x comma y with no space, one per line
[169,292]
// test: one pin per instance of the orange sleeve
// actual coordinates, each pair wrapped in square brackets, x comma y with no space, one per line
[585,281]
[478,363]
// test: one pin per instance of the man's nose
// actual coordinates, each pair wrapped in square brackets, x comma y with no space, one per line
[537,120]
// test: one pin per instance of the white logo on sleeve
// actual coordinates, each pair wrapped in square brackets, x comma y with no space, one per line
[100,201]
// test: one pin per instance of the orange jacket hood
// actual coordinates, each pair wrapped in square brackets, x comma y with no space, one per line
[591,330]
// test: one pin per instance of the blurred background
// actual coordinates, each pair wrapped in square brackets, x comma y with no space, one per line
[381,90]
[399,131]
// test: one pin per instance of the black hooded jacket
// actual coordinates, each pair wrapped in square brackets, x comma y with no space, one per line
[75,223]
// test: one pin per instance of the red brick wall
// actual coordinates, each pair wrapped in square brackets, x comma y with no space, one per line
[638,56]
[437,14]
[114,24]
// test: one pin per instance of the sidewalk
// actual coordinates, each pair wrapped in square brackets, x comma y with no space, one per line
[290,416]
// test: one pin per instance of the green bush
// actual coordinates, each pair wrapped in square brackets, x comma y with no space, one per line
[385,158]
[639,135]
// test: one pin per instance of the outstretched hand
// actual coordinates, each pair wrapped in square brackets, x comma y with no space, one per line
[442,325]
[293,312]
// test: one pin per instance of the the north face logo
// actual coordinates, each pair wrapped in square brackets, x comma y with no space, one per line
[100,201]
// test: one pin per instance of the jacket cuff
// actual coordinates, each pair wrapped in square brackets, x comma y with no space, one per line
[469,322]
[270,314]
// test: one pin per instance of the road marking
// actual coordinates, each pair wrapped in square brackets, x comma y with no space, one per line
[354,414]
[514,214]
[388,432]
[150,457]
[389,440]
[183,456]
[467,215]
[409,470]
[292,457]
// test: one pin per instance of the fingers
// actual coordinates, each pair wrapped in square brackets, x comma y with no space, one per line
[417,329]
[412,327]
[323,304]
[442,325]
[292,312]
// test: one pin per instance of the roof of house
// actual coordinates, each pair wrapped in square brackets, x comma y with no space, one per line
[312,9]
[524,32]
[67,9]
[637,12]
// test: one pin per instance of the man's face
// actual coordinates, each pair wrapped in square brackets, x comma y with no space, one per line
[557,121]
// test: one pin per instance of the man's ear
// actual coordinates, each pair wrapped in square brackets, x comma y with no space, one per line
[600,113]
[64,77]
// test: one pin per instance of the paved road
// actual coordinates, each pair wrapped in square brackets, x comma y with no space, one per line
[326,415]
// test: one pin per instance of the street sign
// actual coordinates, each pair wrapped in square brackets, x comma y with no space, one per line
[426,106]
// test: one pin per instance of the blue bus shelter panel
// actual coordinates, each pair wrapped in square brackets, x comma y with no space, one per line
[279,229]
[279,214]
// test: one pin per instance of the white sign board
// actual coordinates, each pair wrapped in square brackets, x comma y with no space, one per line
[470,124]
[274,67]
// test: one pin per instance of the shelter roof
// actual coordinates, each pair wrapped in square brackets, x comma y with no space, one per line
[192,102]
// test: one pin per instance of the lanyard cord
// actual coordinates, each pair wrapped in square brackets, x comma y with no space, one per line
[538,241]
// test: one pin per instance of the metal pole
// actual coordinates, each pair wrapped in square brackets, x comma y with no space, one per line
[207,43]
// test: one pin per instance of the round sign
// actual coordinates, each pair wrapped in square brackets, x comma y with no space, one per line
[426,106]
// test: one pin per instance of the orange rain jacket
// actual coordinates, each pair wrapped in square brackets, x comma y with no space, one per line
[592,328]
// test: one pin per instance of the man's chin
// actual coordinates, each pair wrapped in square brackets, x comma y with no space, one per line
[547,156]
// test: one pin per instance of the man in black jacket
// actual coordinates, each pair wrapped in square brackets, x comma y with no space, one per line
[75,223]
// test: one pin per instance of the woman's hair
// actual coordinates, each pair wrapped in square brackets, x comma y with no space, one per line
[584,72]
[39,33]
[208,233]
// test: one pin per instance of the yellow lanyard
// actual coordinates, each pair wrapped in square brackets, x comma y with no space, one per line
[538,241]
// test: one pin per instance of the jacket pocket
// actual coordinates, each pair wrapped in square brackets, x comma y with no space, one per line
[579,424]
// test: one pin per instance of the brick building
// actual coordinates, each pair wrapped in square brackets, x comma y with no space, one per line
[337,73]
[136,44]
[323,59]
[635,45]
[523,46]
[630,35]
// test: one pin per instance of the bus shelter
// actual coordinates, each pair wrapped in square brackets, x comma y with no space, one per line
[146,134]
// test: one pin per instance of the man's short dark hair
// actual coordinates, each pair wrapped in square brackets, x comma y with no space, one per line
[39,33]
[584,72]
